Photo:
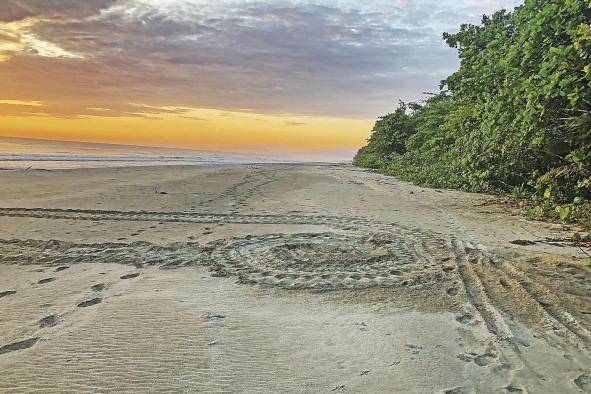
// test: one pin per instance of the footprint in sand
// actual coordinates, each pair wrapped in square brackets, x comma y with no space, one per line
[45,280]
[220,273]
[94,301]
[131,276]
[98,287]
[457,390]
[448,268]
[484,359]
[413,349]
[13,347]
[214,317]
[513,388]
[467,358]
[7,293]
[464,319]
[48,321]
[452,291]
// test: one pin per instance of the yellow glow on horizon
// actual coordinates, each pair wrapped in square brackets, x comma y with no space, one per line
[196,128]
[26,103]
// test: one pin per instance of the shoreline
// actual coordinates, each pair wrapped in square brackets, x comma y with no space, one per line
[173,165]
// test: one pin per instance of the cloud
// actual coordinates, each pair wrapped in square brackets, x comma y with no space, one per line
[15,10]
[329,58]
[16,37]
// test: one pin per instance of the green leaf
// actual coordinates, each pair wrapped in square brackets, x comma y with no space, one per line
[563,212]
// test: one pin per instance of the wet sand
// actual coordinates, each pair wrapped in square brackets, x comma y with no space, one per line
[280,278]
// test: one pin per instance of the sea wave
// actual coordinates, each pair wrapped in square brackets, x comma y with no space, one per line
[11,161]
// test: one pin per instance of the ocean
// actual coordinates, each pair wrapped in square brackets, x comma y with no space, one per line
[23,154]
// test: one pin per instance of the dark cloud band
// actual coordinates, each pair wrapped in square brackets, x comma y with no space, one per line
[336,58]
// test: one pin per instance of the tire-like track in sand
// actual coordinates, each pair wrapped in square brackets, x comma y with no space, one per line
[360,254]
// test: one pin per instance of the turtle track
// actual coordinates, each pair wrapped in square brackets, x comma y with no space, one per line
[56,253]
[180,217]
[248,187]
[363,254]
[325,261]
[501,293]
[476,292]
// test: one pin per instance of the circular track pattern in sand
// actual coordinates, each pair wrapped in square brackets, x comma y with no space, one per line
[322,261]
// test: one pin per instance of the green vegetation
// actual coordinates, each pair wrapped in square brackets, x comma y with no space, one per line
[515,118]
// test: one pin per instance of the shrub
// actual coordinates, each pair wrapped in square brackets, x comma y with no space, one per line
[516,114]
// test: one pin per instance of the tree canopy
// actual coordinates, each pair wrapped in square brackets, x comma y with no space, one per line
[515,115]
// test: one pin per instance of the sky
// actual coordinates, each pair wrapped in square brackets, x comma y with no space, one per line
[249,75]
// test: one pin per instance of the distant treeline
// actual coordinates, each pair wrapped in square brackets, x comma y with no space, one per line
[515,117]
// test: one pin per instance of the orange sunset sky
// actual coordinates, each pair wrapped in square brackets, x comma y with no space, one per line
[297,74]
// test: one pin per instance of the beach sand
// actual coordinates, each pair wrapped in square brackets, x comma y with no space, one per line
[281,278]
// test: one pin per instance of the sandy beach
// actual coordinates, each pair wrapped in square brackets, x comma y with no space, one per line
[281,278]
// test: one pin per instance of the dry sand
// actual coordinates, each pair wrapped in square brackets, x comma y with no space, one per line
[280,278]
